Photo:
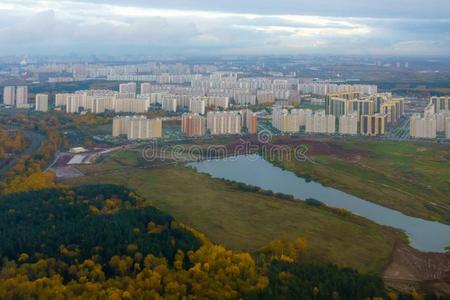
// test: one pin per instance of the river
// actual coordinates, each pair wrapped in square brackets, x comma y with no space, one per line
[254,170]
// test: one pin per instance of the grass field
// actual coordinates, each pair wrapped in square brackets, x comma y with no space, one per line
[246,220]
[413,178]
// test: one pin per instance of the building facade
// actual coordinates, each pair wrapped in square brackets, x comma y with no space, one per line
[193,125]
[41,102]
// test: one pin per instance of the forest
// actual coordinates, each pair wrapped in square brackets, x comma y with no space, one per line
[12,142]
[104,242]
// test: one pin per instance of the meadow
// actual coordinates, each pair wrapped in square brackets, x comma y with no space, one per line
[248,221]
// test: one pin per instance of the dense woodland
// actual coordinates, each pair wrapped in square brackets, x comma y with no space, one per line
[29,172]
[104,242]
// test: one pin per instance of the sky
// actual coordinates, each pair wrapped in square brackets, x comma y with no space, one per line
[225,27]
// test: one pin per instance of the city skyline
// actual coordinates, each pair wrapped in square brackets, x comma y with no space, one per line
[223,28]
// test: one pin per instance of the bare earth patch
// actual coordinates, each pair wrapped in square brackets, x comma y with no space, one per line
[410,267]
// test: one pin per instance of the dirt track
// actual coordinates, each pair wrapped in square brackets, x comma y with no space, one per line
[410,267]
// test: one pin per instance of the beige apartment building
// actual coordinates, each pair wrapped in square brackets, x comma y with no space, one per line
[9,95]
[137,127]
[193,125]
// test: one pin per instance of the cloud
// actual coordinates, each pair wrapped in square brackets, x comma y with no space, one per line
[224,27]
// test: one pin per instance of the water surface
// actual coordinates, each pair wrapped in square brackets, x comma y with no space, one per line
[254,170]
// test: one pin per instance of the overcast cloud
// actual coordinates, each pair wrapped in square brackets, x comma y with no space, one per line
[401,27]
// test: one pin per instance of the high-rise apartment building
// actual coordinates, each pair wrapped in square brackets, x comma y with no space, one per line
[361,107]
[127,90]
[131,105]
[441,104]
[285,120]
[441,118]
[129,87]
[72,104]
[9,95]
[120,126]
[244,98]
[336,106]
[197,106]
[146,88]
[137,127]
[373,125]
[393,109]
[169,104]
[319,122]
[329,106]
[61,99]
[41,102]
[22,96]
[447,128]
[251,122]
[265,97]
[224,122]
[423,127]
[193,125]
[348,124]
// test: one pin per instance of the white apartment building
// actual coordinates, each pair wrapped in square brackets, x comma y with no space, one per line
[158,97]
[447,128]
[197,106]
[146,88]
[131,105]
[9,95]
[22,96]
[348,124]
[329,88]
[126,88]
[41,102]
[61,99]
[72,103]
[245,98]
[319,122]
[169,104]
[216,102]
[303,114]
[441,119]
[224,122]
[285,120]
[423,127]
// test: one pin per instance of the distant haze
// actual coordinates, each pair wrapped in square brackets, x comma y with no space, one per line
[394,27]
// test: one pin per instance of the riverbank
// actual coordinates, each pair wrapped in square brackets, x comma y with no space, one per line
[412,178]
[246,220]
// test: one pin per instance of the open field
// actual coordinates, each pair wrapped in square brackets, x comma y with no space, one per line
[247,220]
[413,178]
